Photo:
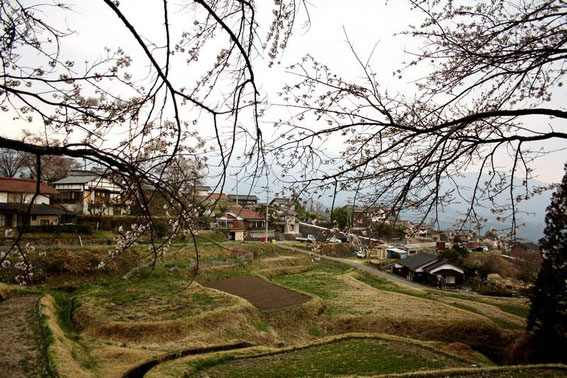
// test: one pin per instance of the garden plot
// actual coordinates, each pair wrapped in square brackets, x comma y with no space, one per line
[262,294]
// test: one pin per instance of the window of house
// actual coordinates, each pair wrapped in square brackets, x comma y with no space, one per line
[450,279]
[15,197]
[34,217]
[6,220]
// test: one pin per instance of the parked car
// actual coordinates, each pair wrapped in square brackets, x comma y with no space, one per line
[334,239]
[360,254]
[308,239]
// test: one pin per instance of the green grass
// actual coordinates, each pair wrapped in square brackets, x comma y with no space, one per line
[315,330]
[210,362]
[350,356]
[320,281]
[64,306]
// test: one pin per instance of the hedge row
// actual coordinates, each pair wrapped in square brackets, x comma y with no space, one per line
[113,223]
[67,228]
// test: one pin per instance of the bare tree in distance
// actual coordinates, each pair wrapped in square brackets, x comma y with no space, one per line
[11,163]
[493,69]
[134,112]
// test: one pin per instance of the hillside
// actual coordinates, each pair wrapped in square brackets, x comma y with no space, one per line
[274,311]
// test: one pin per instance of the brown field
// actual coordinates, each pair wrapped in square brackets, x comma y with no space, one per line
[260,293]
[20,346]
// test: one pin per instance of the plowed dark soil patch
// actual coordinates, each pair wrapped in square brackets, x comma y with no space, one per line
[260,293]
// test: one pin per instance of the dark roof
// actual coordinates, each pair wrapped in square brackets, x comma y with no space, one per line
[243,197]
[14,185]
[435,265]
[418,260]
[77,179]
[22,208]
[202,187]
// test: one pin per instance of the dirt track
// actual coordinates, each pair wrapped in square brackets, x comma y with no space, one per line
[260,293]
[20,346]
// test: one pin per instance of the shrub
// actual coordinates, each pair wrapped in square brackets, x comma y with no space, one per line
[59,228]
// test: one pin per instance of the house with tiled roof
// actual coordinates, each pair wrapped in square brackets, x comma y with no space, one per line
[429,269]
[239,221]
[15,198]
[89,193]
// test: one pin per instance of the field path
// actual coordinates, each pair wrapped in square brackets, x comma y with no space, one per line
[20,346]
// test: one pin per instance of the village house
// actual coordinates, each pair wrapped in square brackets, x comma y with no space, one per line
[415,248]
[378,250]
[239,222]
[201,190]
[429,269]
[285,216]
[284,203]
[286,222]
[89,193]
[15,197]
[244,200]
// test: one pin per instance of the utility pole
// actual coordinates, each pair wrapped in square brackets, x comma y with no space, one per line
[267,199]
[236,189]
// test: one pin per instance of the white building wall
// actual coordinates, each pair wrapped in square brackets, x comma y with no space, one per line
[39,200]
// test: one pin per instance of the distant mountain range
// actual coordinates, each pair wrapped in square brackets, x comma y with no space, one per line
[530,212]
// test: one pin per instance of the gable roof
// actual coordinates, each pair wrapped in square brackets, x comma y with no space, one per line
[433,267]
[247,214]
[77,179]
[418,260]
[14,185]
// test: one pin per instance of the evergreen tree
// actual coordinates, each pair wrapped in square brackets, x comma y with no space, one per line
[547,320]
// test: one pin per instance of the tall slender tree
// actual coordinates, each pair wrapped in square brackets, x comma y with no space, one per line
[547,321]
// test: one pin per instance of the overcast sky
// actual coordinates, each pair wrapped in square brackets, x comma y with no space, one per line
[366,23]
